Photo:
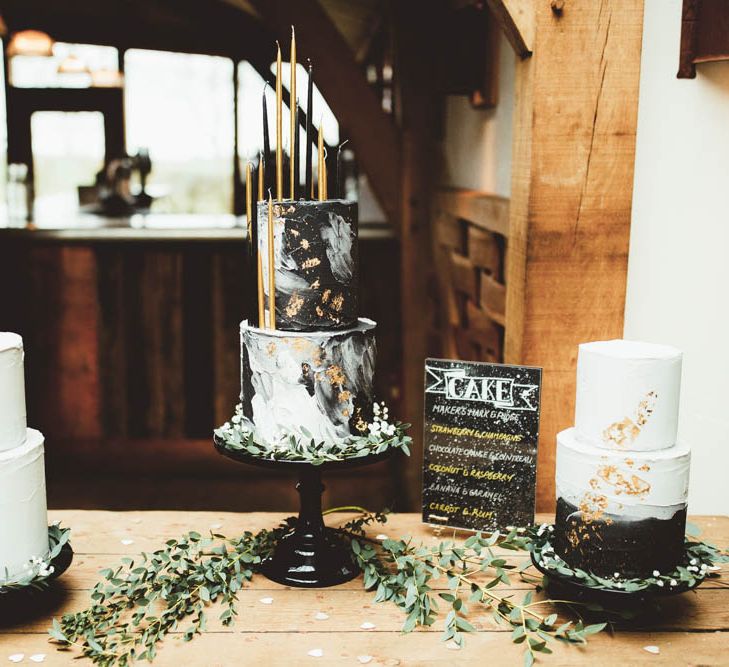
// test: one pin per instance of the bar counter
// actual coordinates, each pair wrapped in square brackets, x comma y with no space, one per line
[131,330]
[85,227]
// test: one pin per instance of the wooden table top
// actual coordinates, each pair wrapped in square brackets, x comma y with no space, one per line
[693,628]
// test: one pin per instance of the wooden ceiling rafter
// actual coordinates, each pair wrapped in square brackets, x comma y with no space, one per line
[518,21]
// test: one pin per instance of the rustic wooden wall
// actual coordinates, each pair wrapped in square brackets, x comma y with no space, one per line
[132,358]
[573,154]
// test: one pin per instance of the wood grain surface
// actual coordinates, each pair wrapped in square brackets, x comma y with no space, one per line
[691,629]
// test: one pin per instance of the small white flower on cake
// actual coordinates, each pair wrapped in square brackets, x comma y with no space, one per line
[315,653]
[616,575]
[266,600]
[674,582]
[656,573]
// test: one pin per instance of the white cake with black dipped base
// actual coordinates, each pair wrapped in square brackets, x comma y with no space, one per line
[312,376]
[23,516]
[622,479]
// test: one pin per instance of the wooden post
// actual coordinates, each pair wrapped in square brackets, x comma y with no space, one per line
[572,179]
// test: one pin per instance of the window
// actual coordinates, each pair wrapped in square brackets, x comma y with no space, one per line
[180,107]
[70,66]
[68,151]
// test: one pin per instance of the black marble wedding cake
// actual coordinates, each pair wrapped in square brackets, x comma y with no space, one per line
[622,479]
[312,375]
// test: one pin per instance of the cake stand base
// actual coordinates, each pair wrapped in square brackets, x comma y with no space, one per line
[311,555]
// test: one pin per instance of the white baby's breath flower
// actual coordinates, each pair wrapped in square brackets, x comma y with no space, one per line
[673,582]
[376,408]
[660,583]
[656,573]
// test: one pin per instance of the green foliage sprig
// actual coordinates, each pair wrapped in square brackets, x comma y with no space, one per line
[700,562]
[405,573]
[39,571]
[302,446]
[139,603]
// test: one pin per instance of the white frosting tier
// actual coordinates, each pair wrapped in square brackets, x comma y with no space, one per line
[315,382]
[627,394]
[631,484]
[23,515]
[12,391]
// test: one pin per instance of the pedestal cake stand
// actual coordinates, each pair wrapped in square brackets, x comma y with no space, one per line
[311,555]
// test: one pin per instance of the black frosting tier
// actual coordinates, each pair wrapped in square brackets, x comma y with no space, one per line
[611,543]
[316,262]
[315,384]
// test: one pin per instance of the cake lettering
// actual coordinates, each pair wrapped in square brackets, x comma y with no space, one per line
[310,263]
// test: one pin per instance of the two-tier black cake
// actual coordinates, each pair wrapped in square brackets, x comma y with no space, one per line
[309,372]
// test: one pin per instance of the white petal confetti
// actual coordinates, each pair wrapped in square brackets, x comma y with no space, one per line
[321,616]
[126,543]
[316,653]
[16,657]
[453,646]
[367,626]
[38,657]
[364,659]
[652,649]
[216,526]
[266,600]
[381,537]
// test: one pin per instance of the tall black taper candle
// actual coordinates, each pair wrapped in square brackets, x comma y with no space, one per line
[340,172]
[266,138]
[309,194]
[295,150]
[252,211]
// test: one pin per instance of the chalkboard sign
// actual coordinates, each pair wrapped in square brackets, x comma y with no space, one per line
[480,453]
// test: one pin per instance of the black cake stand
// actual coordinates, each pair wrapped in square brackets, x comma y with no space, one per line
[311,555]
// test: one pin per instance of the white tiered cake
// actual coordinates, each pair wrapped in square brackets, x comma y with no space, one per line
[622,480]
[23,519]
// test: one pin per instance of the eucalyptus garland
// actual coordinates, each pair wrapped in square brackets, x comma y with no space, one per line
[377,437]
[140,602]
[39,571]
[700,562]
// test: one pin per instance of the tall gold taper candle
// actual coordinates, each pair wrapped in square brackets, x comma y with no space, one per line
[324,180]
[271,270]
[279,121]
[261,175]
[249,196]
[292,108]
[321,161]
[261,308]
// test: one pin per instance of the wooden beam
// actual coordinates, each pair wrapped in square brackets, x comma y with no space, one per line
[418,116]
[517,19]
[572,175]
[484,210]
[372,132]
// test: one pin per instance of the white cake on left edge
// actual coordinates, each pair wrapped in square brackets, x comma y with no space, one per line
[23,514]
